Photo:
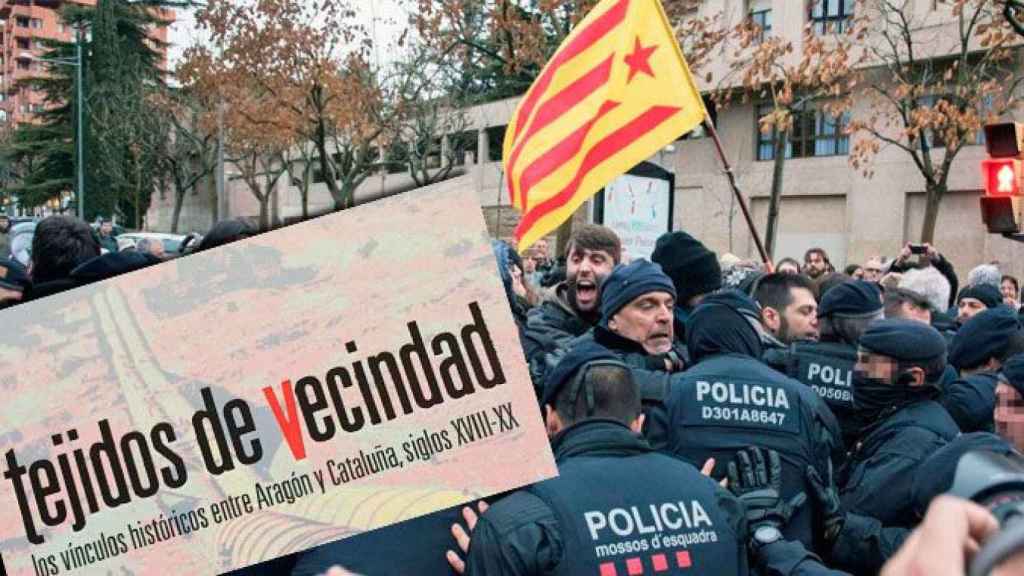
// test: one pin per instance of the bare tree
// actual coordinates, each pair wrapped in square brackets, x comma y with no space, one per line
[931,88]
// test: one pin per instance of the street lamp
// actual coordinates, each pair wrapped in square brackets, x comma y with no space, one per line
[79,107]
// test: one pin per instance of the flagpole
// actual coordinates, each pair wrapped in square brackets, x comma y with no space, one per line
[710,126]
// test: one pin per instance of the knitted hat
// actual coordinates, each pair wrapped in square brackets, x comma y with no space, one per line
[985,293]
[631,281]
[693,268]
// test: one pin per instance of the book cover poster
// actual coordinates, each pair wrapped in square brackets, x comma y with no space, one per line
[265,397]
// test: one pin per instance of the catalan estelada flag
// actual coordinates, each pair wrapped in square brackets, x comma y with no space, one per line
[617,90]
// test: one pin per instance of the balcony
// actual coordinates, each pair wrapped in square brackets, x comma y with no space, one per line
[9,6]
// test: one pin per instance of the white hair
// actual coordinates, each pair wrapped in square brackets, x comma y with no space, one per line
[985,274]
[930,284]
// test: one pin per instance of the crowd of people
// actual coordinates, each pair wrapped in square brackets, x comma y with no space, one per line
[860,390]
[707,415]
[61,252]
[711,416]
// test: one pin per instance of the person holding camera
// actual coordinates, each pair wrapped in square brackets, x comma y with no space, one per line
[927,255]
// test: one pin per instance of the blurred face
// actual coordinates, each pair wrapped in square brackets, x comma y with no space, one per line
[1009,291]
[540,248]
[529,264]
[156,249]
[872,270]
[5,224]
[584,270]
[967,308]
[814,265]
[646,320]
[911,311]
[798,321]
[106,228]
[858,274]
[788,268]
[875,367]
[1009,414]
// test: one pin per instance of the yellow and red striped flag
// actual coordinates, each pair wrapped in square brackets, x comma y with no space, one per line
[617,90]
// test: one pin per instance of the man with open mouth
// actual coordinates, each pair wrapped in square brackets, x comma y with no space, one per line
[572,307]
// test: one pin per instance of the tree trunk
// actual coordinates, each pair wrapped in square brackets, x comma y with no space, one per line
[330,178]
[771,231]
[933,197]
[265,211]
[307,175]
[179,201]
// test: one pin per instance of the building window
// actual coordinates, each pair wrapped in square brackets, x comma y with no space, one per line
[495,142]
[22,22]
[832,16]
[35,23]
[24,44]
[24,65]
[814,133]
[763,20]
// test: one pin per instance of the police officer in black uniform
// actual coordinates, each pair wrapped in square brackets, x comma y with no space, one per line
[899,365]
[729,400]
[827,366]
[978,352]
[618,507]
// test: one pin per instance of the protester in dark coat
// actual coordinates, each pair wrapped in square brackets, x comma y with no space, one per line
[694,271]
[572,307]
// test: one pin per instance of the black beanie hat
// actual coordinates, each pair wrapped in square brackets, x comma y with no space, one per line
[693,268]
[984,293]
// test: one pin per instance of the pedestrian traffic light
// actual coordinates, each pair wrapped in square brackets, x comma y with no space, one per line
[1002,174]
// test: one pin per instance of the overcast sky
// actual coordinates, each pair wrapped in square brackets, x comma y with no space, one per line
[386,19]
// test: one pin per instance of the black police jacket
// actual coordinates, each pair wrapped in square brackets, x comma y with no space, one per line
[827,367]
[971,401]
[728,402]
[617,506]
[880,468]
[649,372]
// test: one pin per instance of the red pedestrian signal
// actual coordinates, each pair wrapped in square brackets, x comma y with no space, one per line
[1002,176]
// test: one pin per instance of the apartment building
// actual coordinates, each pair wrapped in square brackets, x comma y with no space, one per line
[826,202]
[23,24]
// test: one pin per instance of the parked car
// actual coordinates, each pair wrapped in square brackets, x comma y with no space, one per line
[21,240]
[171,242]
